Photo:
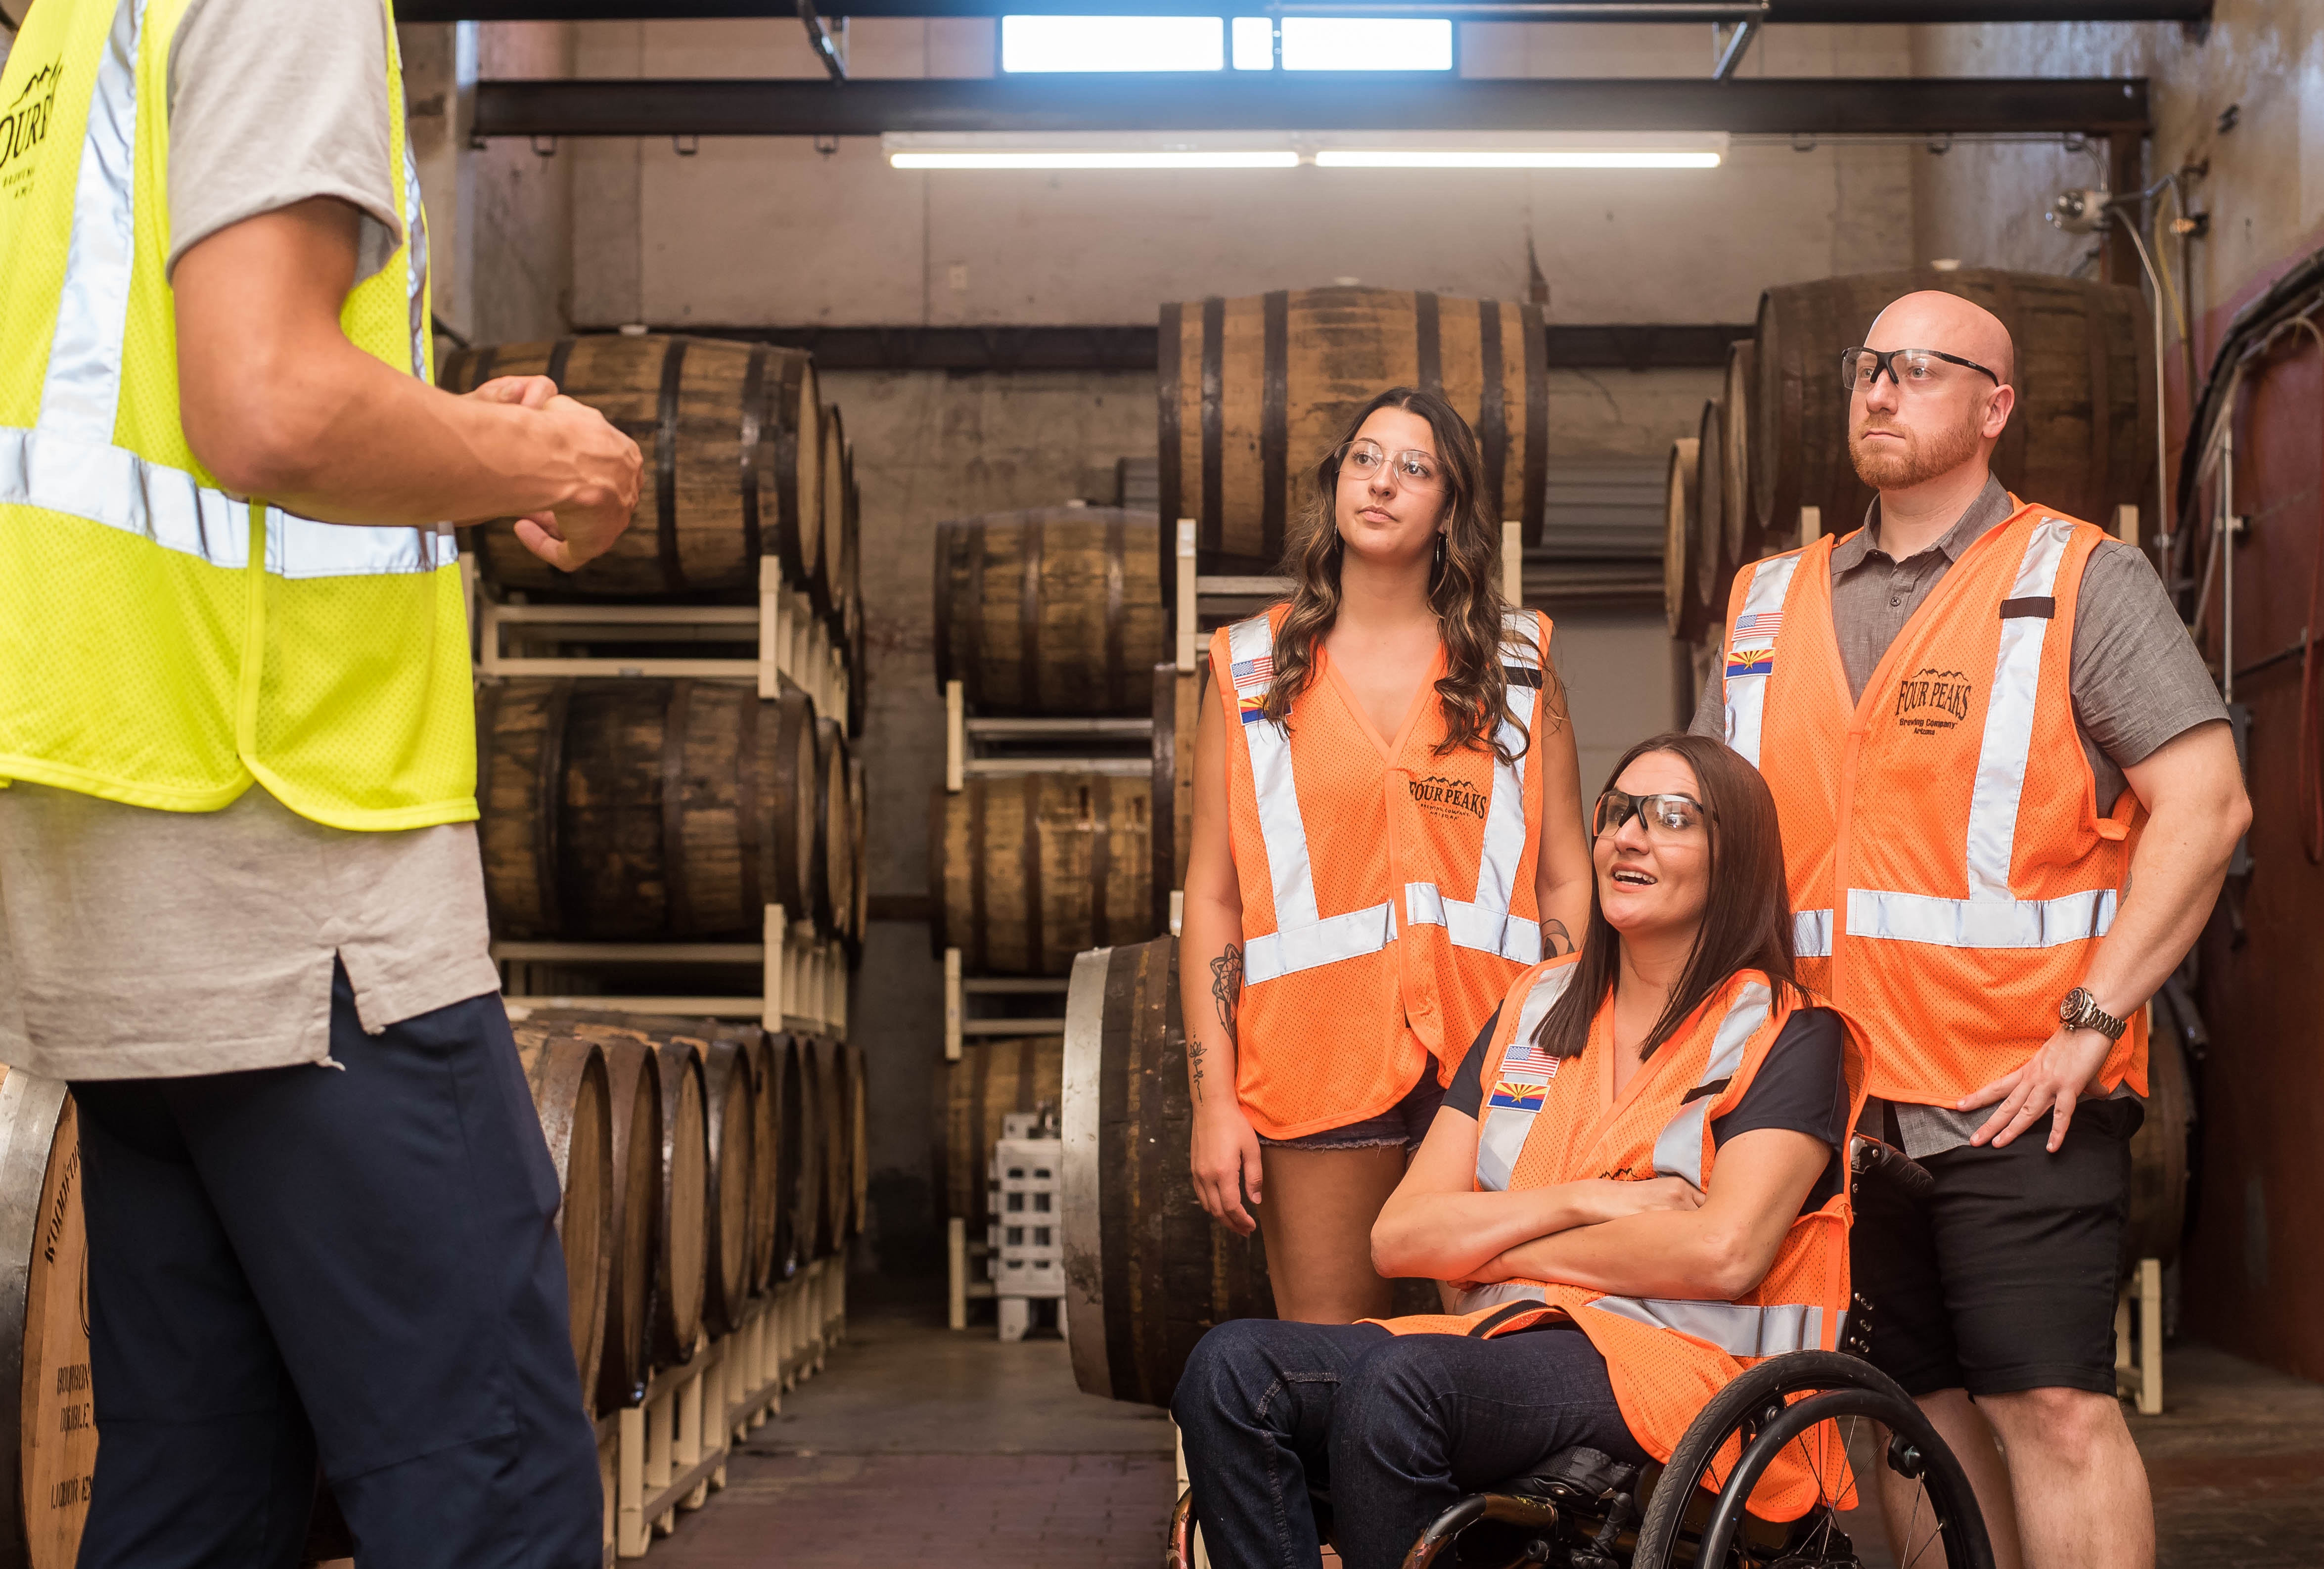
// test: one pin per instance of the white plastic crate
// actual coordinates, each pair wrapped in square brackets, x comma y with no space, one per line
[1027,1230]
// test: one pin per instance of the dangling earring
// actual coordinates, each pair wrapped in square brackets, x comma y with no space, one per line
[1436,568]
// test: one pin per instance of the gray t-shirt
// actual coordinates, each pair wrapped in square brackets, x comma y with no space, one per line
[2135,678]
[146,944]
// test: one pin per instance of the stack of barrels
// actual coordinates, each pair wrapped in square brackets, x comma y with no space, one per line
[626,807]
[1776,440]
[1047,614]
[703,1165]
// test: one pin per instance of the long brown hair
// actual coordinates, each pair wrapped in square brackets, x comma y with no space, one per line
[1746,914]
[1464,588]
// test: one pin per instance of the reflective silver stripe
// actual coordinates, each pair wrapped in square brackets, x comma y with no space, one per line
[1287,950]
[1473,925]
[1986,923]
[415,243]
[1505,812]
[82,394]
[1745,694]
[1989,918]
[1289,873]
[1497,1294]
[1678,1148]
[298,547]
[2008,740]
[1811,933]
[1735,1329]
[1501,1137]
[111,485]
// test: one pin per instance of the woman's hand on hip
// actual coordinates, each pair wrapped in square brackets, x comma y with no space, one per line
[1225,1155]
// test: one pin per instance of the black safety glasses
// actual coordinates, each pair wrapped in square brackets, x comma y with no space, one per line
[1860,368]
[1664,817]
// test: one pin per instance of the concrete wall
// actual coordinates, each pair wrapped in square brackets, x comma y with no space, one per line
[2255,1262]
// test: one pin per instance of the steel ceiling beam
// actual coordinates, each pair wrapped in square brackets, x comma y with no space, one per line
[1777,11]
[1308,101]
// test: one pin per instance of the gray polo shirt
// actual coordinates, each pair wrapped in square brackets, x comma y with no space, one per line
[2135,678]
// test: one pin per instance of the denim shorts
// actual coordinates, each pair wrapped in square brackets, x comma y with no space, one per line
[1404,1123]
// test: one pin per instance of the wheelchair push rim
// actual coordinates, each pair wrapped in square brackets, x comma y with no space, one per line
[1774,1404]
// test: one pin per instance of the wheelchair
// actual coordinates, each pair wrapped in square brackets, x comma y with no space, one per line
[1586,1511]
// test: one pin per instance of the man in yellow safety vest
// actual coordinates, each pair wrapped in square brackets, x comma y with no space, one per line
[319,1209]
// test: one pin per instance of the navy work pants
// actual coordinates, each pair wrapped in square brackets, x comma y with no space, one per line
[359,1266]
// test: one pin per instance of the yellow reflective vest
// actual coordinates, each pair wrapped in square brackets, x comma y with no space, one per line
[162,642]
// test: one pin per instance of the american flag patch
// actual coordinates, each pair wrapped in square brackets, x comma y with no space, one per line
[1750,662]
[1256,672]
[1516,1097]
[1527,1057]
[1759,623]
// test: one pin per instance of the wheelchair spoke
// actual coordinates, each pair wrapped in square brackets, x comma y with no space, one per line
[1912,1551]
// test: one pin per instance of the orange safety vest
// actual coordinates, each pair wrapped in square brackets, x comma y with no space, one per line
[1387,892]
[1950,813]
[1548,1120]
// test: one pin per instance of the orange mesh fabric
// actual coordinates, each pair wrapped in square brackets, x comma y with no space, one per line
[1324,1046]
[1663,1378]
[1880,797]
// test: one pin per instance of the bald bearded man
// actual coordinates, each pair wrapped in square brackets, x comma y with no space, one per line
[2008,797]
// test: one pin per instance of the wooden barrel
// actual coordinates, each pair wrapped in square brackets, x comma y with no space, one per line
[1254,391]
[766,1153]
[633,1084]
[731,1115]
[1055,611]
[850,577]
[1146,1271]
[1714,568]
[834,856]
[2160,1156]
[859,1138]
[1682,604]
[1740,531]
[571,1095]
[828,584]
[804,1133]
[680,1230]
[2080,440]
[632,808]
[1177,704]
[859,811]
[44,1301]
[731,437]
[1027,870]
[993,1078]
[835,1176]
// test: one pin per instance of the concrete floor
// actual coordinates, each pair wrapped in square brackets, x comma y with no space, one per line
[921,1446]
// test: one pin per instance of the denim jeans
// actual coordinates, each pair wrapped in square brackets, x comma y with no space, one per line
[1396,1428]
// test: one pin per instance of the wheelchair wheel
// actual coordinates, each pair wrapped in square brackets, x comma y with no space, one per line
[1689,1521]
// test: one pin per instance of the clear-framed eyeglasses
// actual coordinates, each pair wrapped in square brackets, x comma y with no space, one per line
[1912,370]
[1664,816]
[1414,469]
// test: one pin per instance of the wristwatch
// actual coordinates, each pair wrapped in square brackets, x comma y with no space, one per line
[2080,1010]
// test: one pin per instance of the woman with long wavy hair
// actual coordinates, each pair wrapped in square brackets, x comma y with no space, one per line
[1386,831]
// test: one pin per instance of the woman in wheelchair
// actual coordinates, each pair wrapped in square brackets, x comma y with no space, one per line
[1639,1183]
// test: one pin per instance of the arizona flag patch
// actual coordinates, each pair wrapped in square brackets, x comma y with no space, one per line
[1750,662]
[1516,1096]
[1251,706]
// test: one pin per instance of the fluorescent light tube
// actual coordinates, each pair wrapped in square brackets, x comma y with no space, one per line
[1073,159]
[1504,158]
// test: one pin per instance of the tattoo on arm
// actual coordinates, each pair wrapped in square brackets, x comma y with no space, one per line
[1556,942]
[1194,1050]
[1226,986]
